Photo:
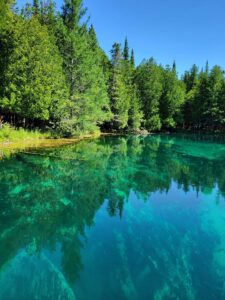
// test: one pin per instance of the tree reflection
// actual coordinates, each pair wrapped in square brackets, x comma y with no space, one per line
[48,198]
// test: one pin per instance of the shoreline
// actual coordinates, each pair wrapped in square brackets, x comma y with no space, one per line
[12,146]
[9,147]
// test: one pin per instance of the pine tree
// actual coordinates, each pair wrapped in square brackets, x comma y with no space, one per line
[7,26]
[135,113]
[53,71]
[36,7]
[213,112]
[89,103]
[201,101]
[93,42]
[174,67]
[119,97]
[126,50]
[190,80]
[35,84]
[48,15]
[128,74]
[72,13]
[103,60]
[222,107]
[132,59]
[172,97]
[207,67]
[149,82]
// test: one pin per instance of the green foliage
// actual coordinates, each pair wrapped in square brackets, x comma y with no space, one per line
[34,81]
[214,113]
[118,91]
[126,51]
[88,99]
[204,103]
[6,39]
[149,81]
[135,113]
[172,98]
[124,99]
[9,133]
[53,73]
[132,59]
[36,7]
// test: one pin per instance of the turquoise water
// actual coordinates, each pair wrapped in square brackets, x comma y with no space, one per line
[115,218]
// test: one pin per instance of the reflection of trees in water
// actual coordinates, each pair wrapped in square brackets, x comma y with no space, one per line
[51,199]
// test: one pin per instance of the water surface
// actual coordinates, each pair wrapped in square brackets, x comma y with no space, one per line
[115,218]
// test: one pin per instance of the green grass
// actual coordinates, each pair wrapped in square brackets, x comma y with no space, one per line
[11,134]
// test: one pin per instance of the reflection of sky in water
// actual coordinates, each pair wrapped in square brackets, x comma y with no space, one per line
[159,233]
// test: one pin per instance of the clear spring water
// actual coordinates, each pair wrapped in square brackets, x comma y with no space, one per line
[114,218]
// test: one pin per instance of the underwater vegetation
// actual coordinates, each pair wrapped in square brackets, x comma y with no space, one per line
[114,218]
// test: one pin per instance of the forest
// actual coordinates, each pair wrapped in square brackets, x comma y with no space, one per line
[55,76]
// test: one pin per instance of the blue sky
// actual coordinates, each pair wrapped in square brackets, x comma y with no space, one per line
[189,31]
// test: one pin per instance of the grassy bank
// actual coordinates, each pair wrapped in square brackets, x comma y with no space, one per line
[13,140]
[11,134]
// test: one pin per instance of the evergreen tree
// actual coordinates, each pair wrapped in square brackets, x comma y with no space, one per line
[7,26]
[128,71]
[126,50]
[174,67]
[53,71]
[207,67]
[89,103]
[93,42]
[48,15]
[213,112]
[132,59]
[36,7]
[135,113]
[190,80]
[201,101]
[72,13]
[222,107]
[35,84]
[119,97]
[103,60]
[172,97]
[149,82]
